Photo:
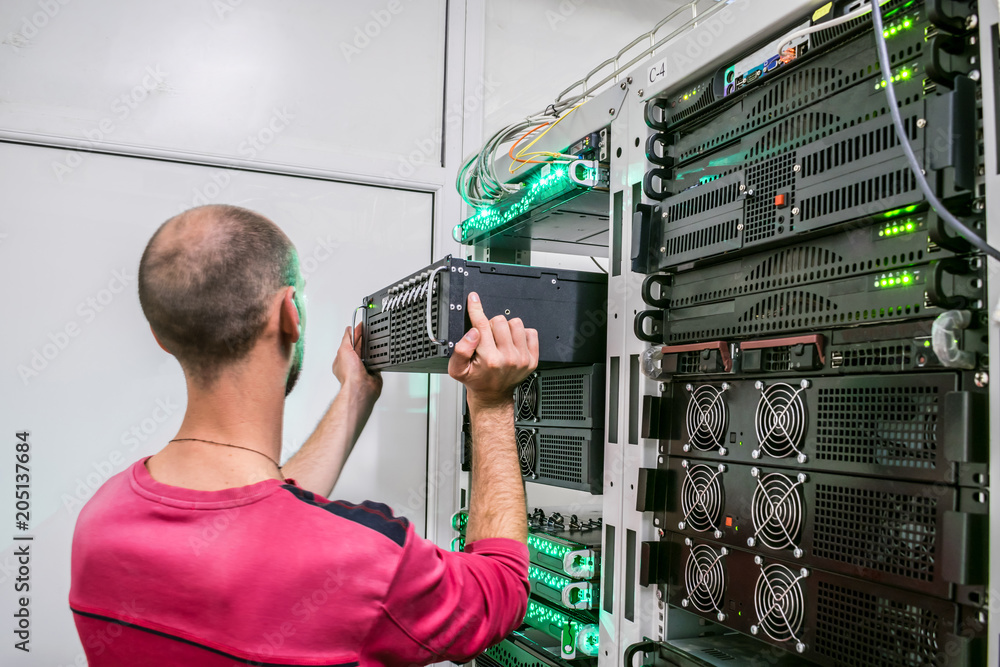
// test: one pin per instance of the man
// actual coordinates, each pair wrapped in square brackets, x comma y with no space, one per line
[209,554]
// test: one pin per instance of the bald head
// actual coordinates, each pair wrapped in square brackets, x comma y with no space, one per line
[206,281]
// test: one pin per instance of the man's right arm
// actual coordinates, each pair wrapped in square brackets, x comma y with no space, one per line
[444,605]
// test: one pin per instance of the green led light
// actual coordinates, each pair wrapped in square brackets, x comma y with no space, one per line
[927,343]
[584,636]
[458,544]
[548,547]
[488,217]
[900,211]
[460,520]
[895,279]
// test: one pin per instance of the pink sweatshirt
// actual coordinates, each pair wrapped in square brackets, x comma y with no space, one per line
[271,574]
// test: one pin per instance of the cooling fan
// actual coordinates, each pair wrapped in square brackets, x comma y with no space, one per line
[526,399]
[780,421]
[779,603]
[705,579]
[707,418]
[702,498]
[527,452]
[778,511]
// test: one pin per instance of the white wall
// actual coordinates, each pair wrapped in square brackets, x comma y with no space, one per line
[116,115]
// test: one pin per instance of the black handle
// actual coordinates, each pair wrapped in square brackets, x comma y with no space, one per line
[661,279]
[655,114]
[644,646]
[662,141]
[638,326]
[660,193]
[935,289]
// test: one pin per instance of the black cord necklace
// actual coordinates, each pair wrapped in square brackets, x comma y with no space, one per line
[224,444]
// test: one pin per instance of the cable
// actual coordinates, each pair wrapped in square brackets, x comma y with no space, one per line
[850,16]
[603,270]
[897,120]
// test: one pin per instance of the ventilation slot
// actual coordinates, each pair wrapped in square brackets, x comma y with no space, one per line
[790,130]
[877,357]
[720,196]
[767,179]
[796,89]
[788,303]
[408,339]
[890,426]
[561,397]
[858,629]
[561,457]
[856,148]
[702,238]
[858,194]
[888,532]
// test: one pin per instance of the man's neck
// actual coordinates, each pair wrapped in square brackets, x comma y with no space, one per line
[237,409]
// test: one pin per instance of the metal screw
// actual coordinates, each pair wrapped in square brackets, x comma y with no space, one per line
[758,560]
[795,210]
[663,248]
[974,75]
[686,447]
[739,227]
[755,453]
[749,192]
[720,616]
[751,541]
[718,534]
[553,281]
[640,92]
[659,594]
[628,79]
[971,21]
[921,122]
[685,463]
[754,472]
[982,379]
[687,541]
[797,167]
[800,647]
[802,478]
[663,387]
[684,602]
[611,111]
[802,458]
[623,86]
[754,629]
[723,451]
[681,525]
[797,553]
[451,306]
[742,187]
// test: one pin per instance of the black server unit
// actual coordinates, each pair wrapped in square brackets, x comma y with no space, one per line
[819,337]
[413,324]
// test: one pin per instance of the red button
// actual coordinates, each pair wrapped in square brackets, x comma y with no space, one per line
[729,521]
[779,200]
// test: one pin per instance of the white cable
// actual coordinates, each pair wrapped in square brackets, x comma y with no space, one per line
[860,11]
[918,174]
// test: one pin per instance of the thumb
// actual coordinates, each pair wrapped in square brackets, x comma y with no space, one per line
[461,356]
[346,340]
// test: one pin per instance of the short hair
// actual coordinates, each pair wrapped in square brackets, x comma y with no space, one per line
[206,279]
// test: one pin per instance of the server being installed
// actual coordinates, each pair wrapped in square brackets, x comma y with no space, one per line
[413,324]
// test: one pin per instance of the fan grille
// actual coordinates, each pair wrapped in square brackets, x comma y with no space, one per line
[778,511]
[526,399]
[702,498]
[707,418]
[780,421]
[526,452]
[705,578]
[779,603]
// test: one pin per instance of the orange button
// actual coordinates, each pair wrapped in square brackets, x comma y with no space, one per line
[779,200]
[729,521]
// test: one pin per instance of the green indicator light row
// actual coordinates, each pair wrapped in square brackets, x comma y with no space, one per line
[690,95]
[550,579]
[901,76]
[898,228]
[488,217]
[575,636]
[895,28]
[897,279]
[548,547]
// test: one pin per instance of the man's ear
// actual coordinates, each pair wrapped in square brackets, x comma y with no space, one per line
[158,341]
[290,323]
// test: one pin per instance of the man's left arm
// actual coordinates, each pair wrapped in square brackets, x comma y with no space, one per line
[317,465]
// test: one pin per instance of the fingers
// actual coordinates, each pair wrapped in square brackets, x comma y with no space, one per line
[461,355]
[358,342]
[517,334]
[479,320]
[532,337]
[501,333]
[345,342]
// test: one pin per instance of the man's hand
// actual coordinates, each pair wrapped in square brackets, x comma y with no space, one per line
[351,371]
[493,357]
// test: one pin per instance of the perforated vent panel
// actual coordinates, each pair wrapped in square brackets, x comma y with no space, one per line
[857,148]
[777,358]
[888,532]
[767,179]
[790,130]
[885,425]
[561,457]
[714,197]
[858,194]
[562,397]
[701,238]
[858,629]
[408,339]
[877,357]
